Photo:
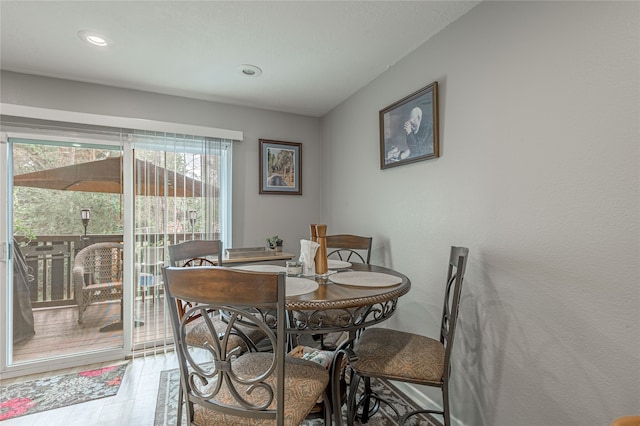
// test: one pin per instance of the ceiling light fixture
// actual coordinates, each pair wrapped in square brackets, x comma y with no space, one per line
[94,38]
[249,70]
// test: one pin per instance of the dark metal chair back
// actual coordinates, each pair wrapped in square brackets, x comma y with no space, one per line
[209,380]
[455,276]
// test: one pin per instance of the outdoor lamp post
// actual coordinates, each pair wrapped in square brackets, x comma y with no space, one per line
[85,215]
[192,219]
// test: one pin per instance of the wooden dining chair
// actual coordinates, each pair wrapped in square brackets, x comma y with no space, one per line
[222,385]
[350,248]
[406,357]
[203,253]
[243,337]
[196,253]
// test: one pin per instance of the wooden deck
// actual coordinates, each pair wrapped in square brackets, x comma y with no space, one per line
[58,331]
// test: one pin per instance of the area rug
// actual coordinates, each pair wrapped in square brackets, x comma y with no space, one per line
[166,406]
[20,399]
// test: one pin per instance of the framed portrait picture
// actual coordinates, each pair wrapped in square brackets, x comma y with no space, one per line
[280,167]
[409,129]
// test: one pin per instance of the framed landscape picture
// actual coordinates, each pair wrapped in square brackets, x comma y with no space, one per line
[280,167]
[409,129]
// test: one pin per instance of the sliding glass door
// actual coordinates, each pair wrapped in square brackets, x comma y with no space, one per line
[65,196]
[128,193]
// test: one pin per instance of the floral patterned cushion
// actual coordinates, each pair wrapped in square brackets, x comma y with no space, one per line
[198,334]
[327,317]
[305,382]
[398,355]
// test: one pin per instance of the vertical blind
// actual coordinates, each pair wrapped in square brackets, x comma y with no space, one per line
[182,188]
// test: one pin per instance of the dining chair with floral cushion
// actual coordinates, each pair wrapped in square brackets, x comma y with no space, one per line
[223,385]
[343,248]
[405,357]
[196,253]
[208,253]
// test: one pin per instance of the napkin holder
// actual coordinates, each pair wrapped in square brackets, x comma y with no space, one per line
[307,256]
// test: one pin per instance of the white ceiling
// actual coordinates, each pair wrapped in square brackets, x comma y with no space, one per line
[314,54]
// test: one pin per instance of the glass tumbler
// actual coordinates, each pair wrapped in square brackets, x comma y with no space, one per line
[294,268]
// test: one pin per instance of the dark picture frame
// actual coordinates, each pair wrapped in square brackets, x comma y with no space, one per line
[409,129]
[280,167]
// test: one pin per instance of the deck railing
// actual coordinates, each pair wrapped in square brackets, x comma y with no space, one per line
[50,261]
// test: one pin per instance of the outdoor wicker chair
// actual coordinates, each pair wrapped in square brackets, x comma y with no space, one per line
[97,275]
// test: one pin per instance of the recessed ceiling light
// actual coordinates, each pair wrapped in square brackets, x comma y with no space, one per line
[249,70]
[94,38]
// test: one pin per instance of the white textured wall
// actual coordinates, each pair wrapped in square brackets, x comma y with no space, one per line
[255,216]
[539,178]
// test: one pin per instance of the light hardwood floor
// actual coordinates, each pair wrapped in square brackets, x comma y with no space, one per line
[134,405]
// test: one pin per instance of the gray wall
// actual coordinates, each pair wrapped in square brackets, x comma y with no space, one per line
[255,216]
[538,176]
[539,116]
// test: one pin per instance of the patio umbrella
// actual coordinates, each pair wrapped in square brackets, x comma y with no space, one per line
[106,176]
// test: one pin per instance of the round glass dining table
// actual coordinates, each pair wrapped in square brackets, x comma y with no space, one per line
[350,299]
[353,298]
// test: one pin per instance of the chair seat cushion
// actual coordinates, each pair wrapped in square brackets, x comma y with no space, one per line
[305,383]
[398,355]
[198,334]
[326,318]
